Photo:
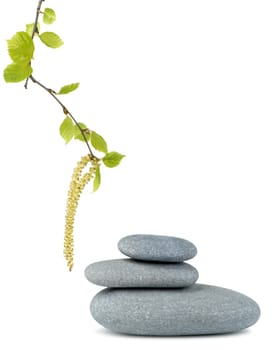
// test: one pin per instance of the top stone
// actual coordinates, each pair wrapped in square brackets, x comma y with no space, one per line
[157,248]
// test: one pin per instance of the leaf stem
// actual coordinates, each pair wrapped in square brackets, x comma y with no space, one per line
[65,111]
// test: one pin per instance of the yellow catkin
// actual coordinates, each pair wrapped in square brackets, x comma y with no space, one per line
[78,182]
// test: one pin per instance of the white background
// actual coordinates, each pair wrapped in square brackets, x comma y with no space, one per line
[186,89]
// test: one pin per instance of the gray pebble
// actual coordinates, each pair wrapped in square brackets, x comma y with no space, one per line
[157,248]
[200,309]
[128,273]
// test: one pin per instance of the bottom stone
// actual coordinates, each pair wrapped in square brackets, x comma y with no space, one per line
[199,309]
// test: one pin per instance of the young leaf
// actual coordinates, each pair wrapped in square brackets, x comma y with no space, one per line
[30,28]
[15,72]
[21,48]
[97,179]
[78,134]
[67,129]
[112,159]
[68,88]
[49,16]
[98,142]
[51,40]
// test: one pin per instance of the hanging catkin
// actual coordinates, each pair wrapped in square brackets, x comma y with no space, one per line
[78,182]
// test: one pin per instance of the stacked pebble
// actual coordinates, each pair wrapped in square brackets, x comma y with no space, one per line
[155,293]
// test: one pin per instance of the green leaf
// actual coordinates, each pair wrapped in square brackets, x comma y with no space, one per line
[15,72]
[97,179]
[67,130]
[112,159]
[78,134]
[30,28]
[51,40]
[21,48]
[49,16]
[68,88]
[98,142]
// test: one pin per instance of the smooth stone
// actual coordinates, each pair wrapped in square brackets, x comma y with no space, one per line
[157,248]
[200,309]
[128,273]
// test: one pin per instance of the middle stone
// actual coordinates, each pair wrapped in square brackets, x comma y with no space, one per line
[128,273]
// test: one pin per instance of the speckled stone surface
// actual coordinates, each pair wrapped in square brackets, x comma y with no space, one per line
[200,309]
[128,273]
[157,248]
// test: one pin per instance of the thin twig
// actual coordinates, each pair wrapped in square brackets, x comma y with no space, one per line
[38,11]
[35,30]
[65,111]
[50,91]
